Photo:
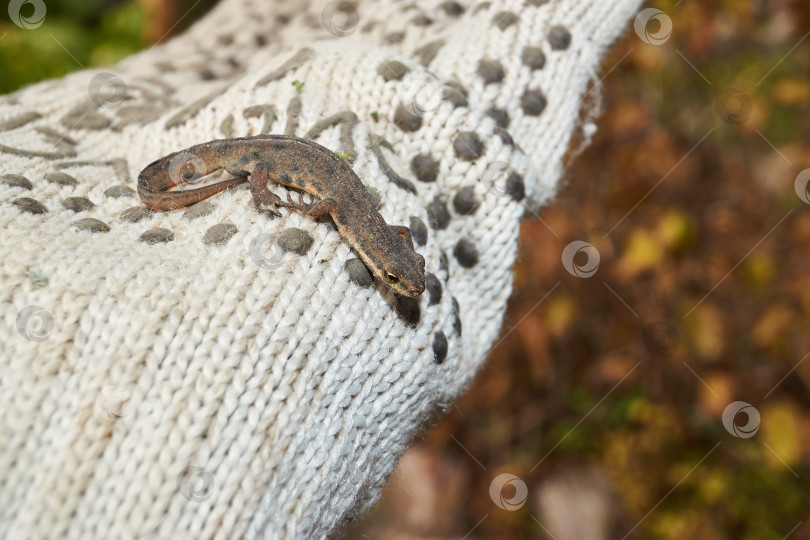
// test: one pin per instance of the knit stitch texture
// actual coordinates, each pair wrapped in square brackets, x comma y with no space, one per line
[214,373]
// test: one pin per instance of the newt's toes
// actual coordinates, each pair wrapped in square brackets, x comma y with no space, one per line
[268,210]
[292,203]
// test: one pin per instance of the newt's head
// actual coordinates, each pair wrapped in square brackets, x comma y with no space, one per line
[387,250]
[405,274]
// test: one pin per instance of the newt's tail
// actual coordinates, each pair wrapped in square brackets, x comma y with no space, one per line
[174,170]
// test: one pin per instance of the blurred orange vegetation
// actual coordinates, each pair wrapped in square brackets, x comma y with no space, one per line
[168,17]
[607,398]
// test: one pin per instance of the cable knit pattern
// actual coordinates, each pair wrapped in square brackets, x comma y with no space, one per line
[214,373]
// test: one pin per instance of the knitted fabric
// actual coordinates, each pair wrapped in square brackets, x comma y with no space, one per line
[215,373]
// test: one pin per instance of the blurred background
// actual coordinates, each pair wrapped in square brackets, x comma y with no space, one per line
[650,381]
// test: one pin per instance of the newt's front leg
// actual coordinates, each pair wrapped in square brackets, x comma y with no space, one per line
[265,200]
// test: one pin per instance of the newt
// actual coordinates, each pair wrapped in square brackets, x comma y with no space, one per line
[387,250]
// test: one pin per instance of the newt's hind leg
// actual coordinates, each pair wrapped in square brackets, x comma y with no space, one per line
[314,209]
[267,201]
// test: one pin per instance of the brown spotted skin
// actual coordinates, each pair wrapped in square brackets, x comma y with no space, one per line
[388,251]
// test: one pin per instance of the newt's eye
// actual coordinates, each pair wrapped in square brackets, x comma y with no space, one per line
[391,278]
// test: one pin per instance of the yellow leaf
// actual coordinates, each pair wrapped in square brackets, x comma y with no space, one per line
[706,331]
[772,325]
[791,92]
[714,485]
[559,314]
[676,230]
[779,430]
[759,270]
[720,392]
[643,252]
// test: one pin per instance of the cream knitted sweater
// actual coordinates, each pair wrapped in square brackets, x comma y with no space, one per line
[214,373]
